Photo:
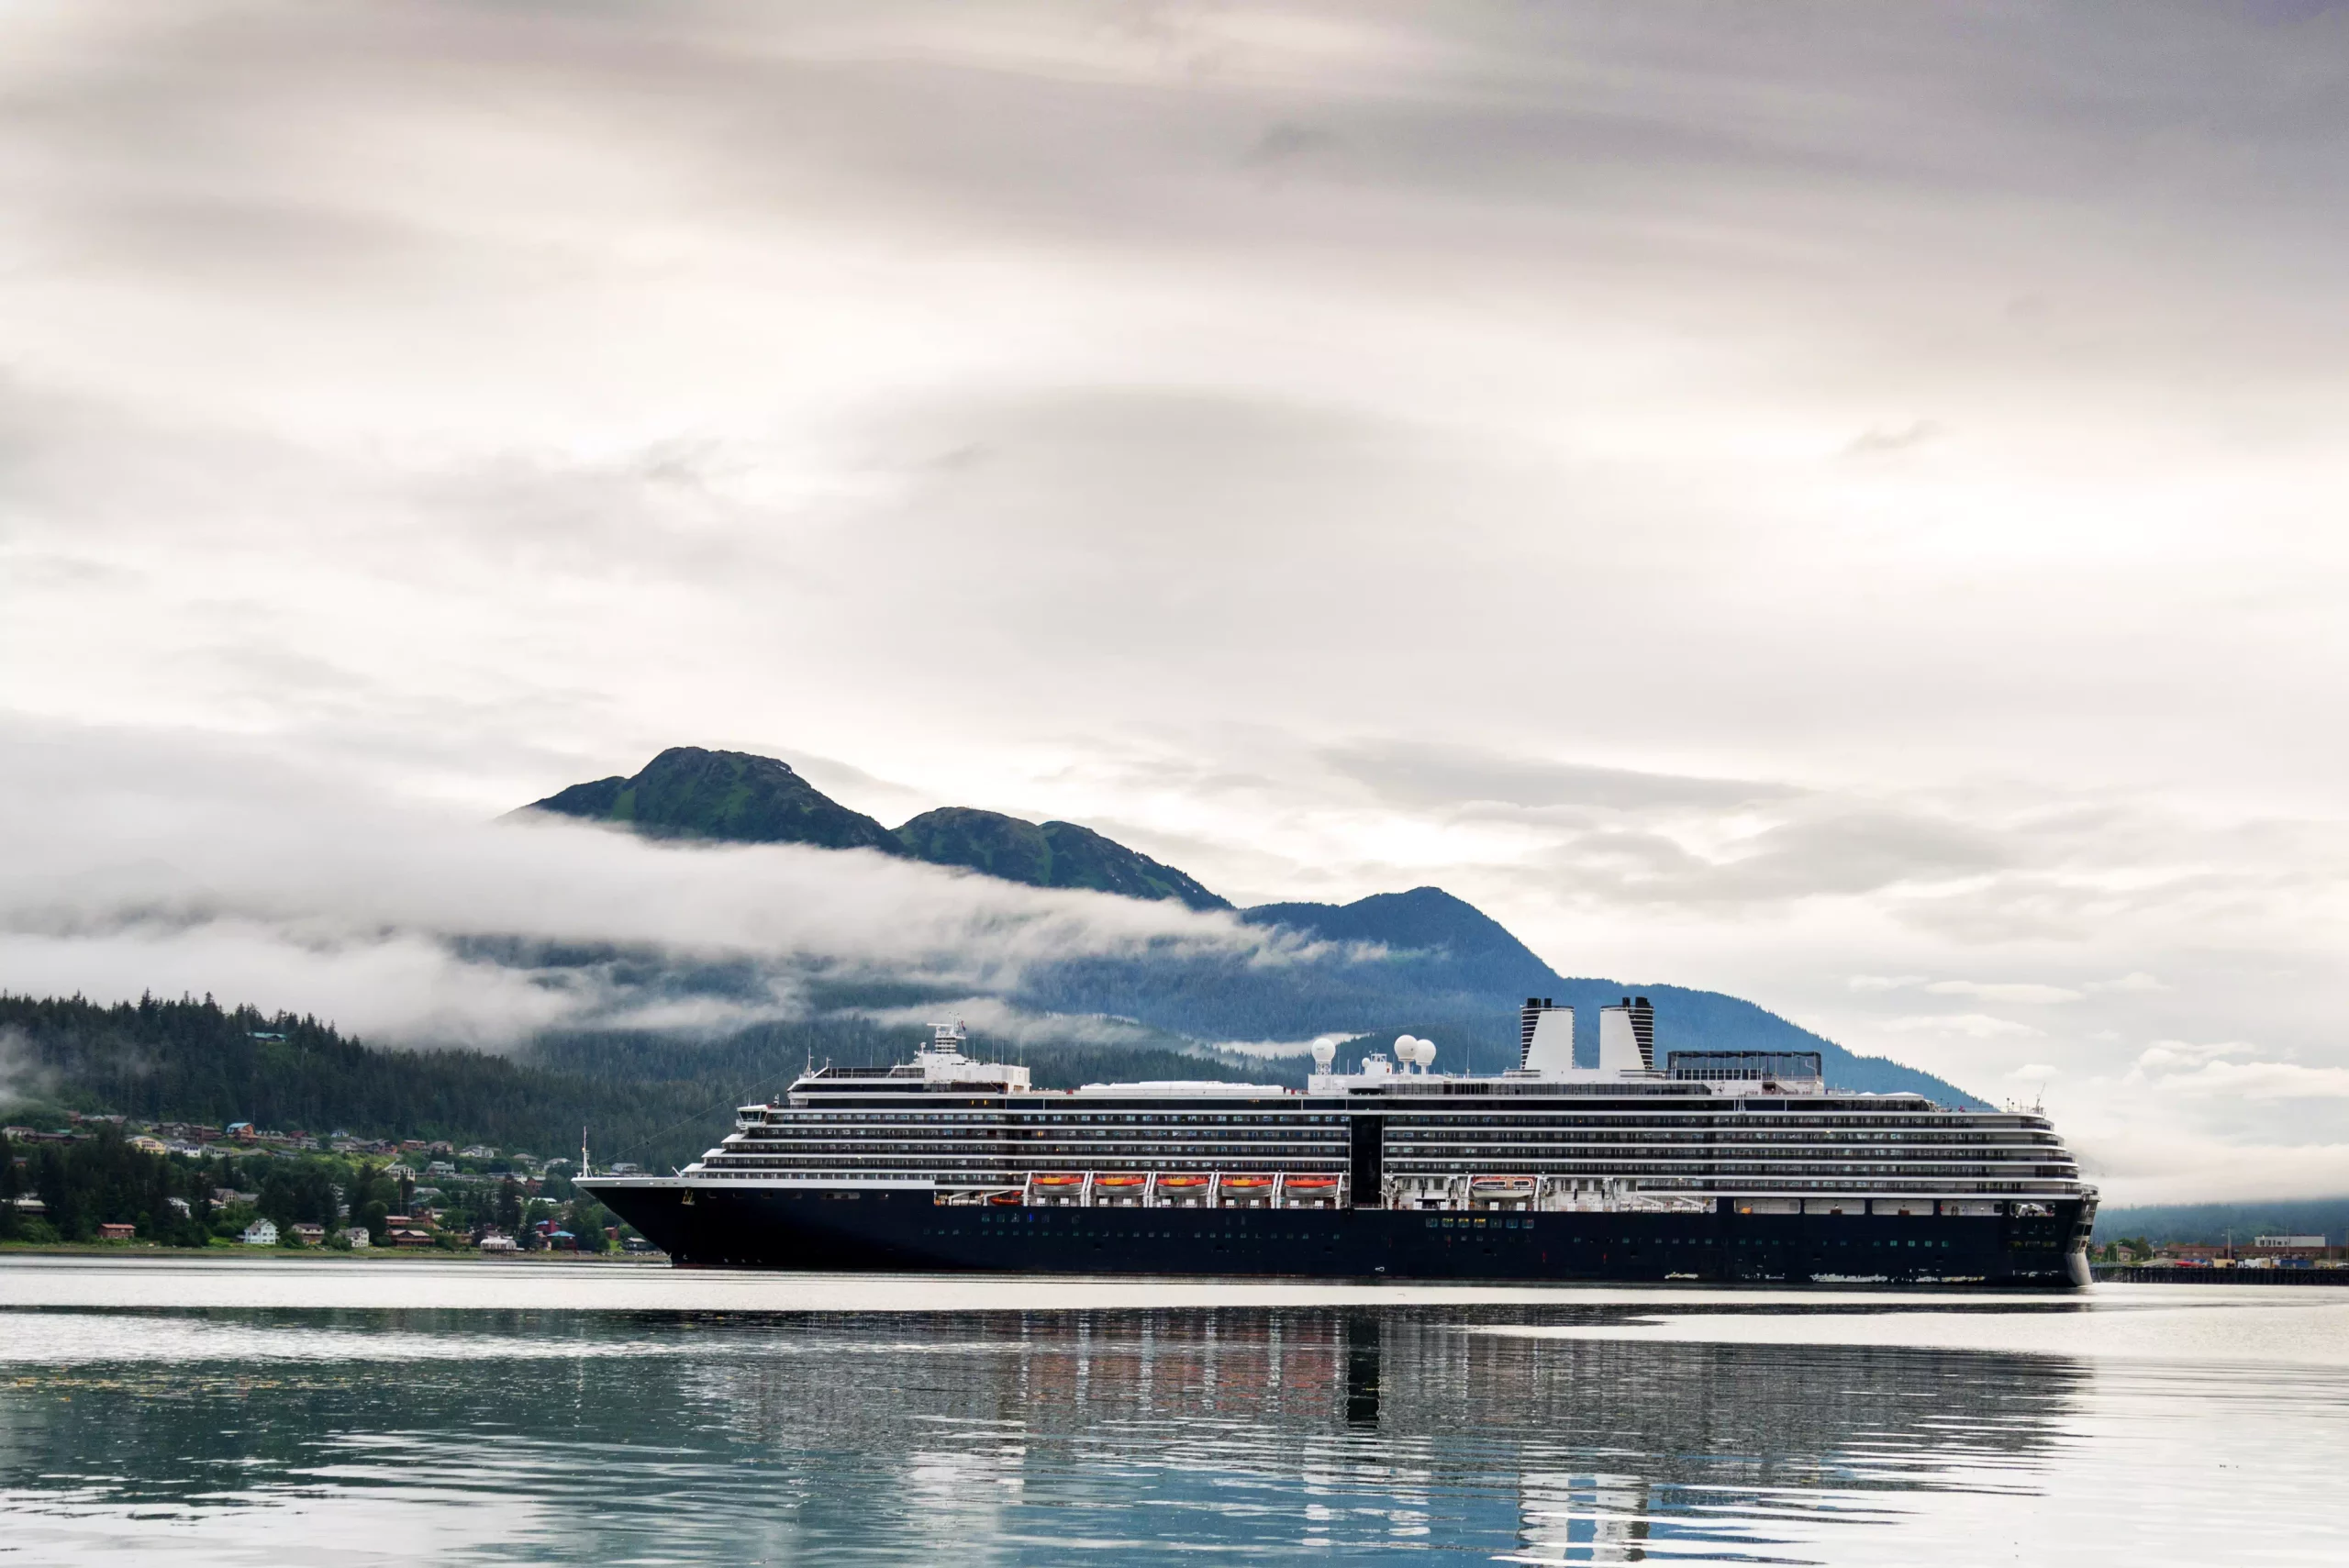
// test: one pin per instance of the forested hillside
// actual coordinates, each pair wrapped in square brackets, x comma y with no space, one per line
[196,1061]
[1051,854]
[658,1099]
[2212,1223]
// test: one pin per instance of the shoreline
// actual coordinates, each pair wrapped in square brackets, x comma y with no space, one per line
[151,1251]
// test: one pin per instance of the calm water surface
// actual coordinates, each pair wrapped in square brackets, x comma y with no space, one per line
[326,1413]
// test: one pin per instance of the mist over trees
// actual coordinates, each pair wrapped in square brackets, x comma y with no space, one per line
[657,1098]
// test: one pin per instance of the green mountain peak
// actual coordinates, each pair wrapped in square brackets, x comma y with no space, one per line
[728,796]
[736,797]
[1052,854]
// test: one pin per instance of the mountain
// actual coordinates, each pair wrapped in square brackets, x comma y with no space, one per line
[1479,949]
[1428,963]
[1056,854]
[731,796]
[735,797]
[1422,961]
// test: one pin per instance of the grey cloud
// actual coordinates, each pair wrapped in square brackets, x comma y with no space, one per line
[1419,773]
[1882,441]
[1843,850]
[1632,133]
[1285,143]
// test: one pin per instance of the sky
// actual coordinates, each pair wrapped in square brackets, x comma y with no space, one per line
[1839,504]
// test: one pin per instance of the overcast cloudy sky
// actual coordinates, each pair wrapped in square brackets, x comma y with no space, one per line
[1839,503]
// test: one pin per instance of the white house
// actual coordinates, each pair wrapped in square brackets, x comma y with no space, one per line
[357,1235]
[260,1233]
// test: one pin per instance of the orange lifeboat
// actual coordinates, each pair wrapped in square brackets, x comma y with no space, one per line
[1247,1184]
[1186,1182]
[1059,1181]
[1121,1182]
[1312,1184]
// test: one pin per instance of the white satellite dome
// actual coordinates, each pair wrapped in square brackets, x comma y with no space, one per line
[1324,1053]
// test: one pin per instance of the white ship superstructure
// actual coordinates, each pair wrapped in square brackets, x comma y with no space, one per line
[1759,1128]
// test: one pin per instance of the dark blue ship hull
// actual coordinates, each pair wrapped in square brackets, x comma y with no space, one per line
[908,1231]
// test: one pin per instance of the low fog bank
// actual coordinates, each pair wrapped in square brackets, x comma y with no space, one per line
[142,865]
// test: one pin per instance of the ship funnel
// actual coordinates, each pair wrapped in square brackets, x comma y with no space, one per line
[1547,1033]
[1529,1018]
[1627,1036]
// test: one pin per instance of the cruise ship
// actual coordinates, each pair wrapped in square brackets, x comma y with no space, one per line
[1723,1167]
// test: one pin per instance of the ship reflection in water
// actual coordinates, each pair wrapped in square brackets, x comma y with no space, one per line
[1238,1435]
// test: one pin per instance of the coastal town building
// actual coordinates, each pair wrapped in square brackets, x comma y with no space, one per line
[260,1233]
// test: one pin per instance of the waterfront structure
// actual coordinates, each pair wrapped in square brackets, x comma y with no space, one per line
[1711,1165]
